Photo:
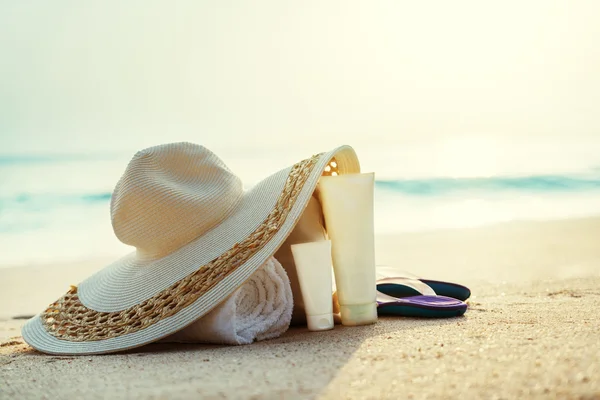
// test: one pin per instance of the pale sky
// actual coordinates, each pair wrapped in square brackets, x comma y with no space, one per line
[104,75]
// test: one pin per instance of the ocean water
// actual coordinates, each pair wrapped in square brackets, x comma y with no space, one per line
[55,208]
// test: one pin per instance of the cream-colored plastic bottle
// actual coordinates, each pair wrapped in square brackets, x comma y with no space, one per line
[313,266]
[347,202]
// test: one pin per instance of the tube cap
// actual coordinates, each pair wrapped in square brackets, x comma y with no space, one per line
[359,314]
[322,322]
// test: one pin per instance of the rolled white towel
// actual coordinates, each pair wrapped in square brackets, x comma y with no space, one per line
[260,309]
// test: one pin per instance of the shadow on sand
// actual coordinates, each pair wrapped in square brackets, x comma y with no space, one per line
[299,364]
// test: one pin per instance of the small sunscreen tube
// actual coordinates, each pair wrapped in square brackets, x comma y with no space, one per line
[313,266]
[347,202]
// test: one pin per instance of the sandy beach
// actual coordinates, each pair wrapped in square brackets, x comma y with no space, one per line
[176,125]
[532,331]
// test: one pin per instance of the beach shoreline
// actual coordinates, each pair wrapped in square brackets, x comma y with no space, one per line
[530,331]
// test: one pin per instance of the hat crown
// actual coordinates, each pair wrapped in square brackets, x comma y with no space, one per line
[170,195]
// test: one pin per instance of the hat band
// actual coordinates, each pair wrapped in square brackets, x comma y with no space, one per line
[68,319]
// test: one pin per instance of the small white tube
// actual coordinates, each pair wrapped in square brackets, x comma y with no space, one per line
[347,202]
[313,266]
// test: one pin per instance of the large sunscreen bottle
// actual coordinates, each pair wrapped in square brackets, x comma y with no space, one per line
[347,202]
[313,266]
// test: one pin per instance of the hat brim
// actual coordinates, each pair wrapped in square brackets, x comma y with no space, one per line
[134,301]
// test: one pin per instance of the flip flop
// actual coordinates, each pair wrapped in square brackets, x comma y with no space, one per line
[420,306]
[448,289]
[404,284]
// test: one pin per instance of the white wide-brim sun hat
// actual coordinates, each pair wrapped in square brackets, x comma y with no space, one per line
[198,237]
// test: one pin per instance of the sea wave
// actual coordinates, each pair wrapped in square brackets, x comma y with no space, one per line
[10,160]
[442,186]
[410,187]
[49,199]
